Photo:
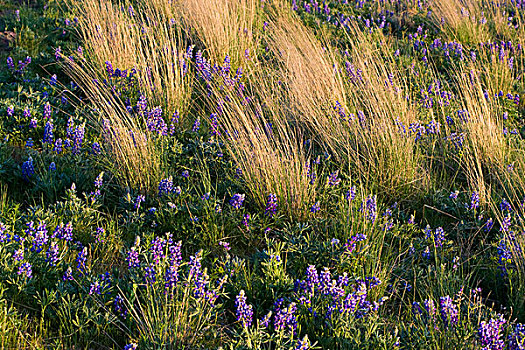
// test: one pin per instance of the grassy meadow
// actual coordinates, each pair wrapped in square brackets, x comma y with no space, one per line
[262,174]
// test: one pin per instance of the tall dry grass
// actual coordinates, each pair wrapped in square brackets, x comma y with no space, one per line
[489,151]
[148,38]
[493,164]
[151,38]
[486,150]
[129,152]
[505,20]
[385,155]
[462,20]
[308,72]
[224,27]
[492,160]
[372,147]
[310,82]
[298,88]
[273,158]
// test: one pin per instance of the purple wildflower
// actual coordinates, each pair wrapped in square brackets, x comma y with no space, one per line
[246,220]
[99,180]
[488,225]
[133,258]
[237,200]
[214,124]
[99,235]
[48,132]
[165,186]
[303,344]
[265,321]
[64,232]
[490,334]
[504,256]
[312,280]
[333,180]
[39,235]
[474,201]
[271,205]
[196,125]
[47,111]
[350,194]
[506,223]
[52,254]
[150,275]
[448,311]
[26,270]
[95,288]
[285,319]
[315,208]
[78,138]
[439,237]
[430,307]
[416,309]
[371,208]
[517,338]
[119,306]
[225,245]
[10,63]
[426,253]
[28,169]
[157,249]
[505,205]
[171,276]
[81,260]
[140,198]
[4,235]
[244,311]
[68,274]
[95,148]
[156,123]
[18,254]
[57,148]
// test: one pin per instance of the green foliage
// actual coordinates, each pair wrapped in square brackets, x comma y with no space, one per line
[87,262]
